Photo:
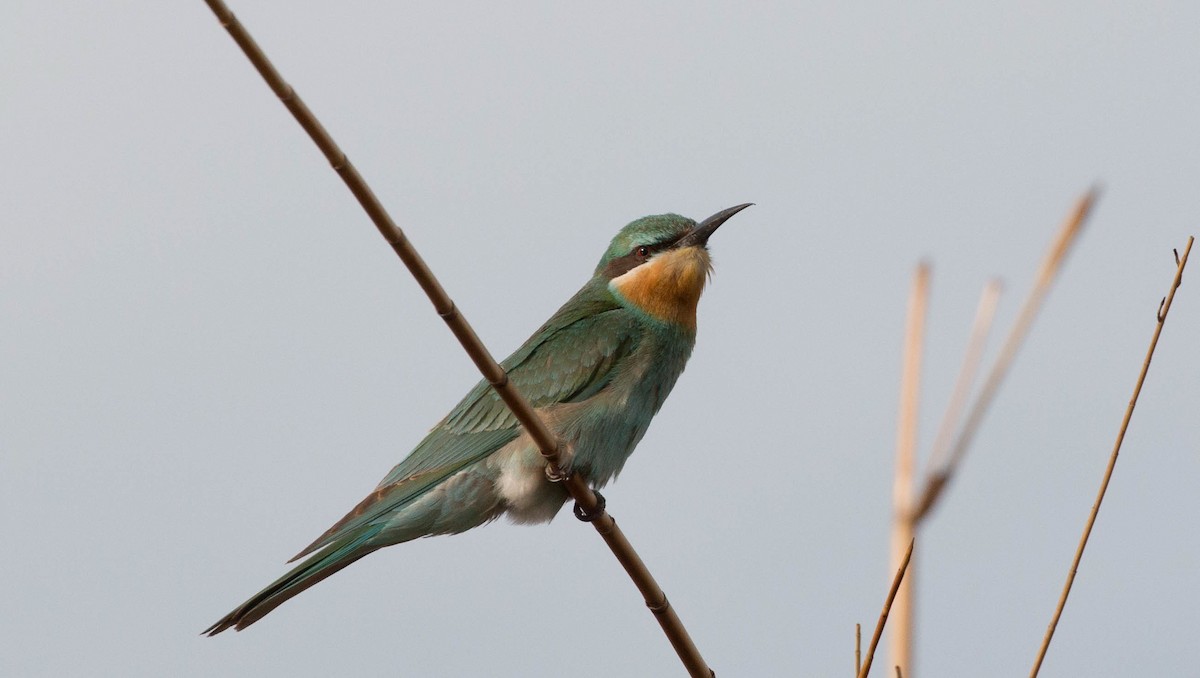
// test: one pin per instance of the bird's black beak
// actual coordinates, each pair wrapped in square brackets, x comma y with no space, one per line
[699,236]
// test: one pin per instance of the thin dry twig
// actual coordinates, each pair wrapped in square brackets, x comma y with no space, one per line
[883,615]
[1048,271]
[857,648]
[903,527]
[655,599]
[1161,317]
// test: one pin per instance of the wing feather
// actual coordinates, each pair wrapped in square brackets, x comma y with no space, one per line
[569,359]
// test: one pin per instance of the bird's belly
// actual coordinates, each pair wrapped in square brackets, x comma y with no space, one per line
[520,471]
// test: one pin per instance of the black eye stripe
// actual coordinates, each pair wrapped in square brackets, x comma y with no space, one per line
[624,264]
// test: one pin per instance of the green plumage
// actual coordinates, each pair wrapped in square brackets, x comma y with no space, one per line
[597,371]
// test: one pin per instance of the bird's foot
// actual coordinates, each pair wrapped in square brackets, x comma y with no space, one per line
[590,516]
[556,474]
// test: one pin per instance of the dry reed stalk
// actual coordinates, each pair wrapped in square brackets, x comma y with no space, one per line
[1047,272]
[906,518]
[985,313]
[883,615]
[857,648]
[909,508]
[1164,307]
[655,599]
[903,527]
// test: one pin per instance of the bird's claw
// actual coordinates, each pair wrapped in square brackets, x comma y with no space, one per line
[556,474]
[590,516]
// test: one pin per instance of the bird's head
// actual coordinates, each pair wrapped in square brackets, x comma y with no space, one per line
[658,264]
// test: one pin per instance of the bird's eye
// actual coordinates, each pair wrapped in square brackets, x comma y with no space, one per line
[643,251]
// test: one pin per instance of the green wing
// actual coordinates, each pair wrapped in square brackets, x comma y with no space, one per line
[568,359]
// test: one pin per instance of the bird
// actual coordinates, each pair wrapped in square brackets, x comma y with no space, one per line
[596,372]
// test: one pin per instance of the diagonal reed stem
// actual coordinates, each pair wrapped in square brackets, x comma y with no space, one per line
[1161,317]
[940,477]
[655,599]
[883,615]
[909,507]
[985,312]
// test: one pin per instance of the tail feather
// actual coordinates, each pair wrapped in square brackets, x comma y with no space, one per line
[337,556]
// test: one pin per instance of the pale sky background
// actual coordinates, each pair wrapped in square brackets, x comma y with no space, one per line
[208,354]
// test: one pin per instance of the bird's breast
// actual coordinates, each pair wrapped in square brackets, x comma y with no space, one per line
[668,286]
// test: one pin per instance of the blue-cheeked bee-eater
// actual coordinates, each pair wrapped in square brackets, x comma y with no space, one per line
[596,372]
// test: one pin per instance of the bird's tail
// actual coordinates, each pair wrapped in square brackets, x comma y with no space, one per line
[337,555]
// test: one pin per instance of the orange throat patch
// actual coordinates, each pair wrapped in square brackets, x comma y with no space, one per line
[668,286]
